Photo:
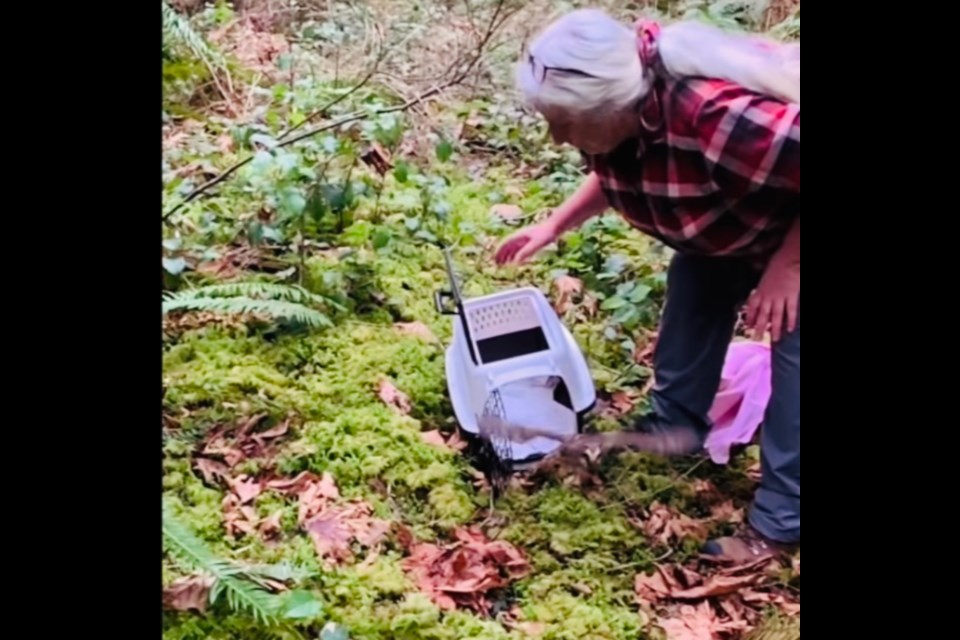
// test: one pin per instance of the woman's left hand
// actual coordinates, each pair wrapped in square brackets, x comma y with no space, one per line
[776,301]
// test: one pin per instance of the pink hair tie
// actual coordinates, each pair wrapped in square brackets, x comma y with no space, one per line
[648,31]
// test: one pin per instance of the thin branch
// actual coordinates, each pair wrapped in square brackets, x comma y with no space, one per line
[381,55]
[497,20]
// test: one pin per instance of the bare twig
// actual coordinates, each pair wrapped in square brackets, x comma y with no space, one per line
[497,20]
[381,55]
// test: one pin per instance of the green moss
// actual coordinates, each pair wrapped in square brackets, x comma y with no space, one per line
[777,627]
[564,522]
[571,617]
[221,625]
[452,506]
[387,576]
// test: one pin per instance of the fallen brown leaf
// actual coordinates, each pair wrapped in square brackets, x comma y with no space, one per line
[461,573]
[231,262]
[758,597]
[238,518]
[643,354]
[367,530]
[652,588]
[664,581]
[567,288]
[231,455]
[235,443]
[508,212]
[331,536]
[246,488]
[270,528]
[315,496]
[276,432]
[378,158]
[589,305]
[334,531]
[434,438]
[247,427]
[726,602]
[532,629]
[765,565]
[717,585]
[665,524]
[191,593]
[735,609]
[416,329]
[212,471]
[726,512]
[404,536]
[456,443]
[393,397]
[623,402]
[293,486]
[697,623]
[333,527]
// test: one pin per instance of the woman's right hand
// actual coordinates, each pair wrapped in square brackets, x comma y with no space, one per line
[523,244]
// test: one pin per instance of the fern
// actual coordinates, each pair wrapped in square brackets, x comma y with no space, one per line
[290,311]
[179,35]
[278,301]
[231,581]
[254,290]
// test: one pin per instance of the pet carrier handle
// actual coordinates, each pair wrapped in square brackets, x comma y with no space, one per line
[439,299]
[454,294]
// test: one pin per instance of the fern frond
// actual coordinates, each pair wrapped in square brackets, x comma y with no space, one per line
[241,594]
[179,34]
[279,309]
[253,290]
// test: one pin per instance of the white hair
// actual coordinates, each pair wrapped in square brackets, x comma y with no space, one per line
[586,64]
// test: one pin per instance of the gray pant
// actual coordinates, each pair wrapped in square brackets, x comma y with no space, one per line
[703,297]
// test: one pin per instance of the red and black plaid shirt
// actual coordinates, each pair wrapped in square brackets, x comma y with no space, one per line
[720,176]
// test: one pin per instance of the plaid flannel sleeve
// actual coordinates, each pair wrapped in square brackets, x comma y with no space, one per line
[750,141]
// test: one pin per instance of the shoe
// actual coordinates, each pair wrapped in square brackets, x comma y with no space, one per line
[747,546]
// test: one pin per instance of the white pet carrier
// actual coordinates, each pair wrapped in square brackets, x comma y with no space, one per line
[513,363]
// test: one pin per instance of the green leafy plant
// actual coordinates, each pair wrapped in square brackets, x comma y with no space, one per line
[604,255]
[189,61]
[173,260]
[180,39]
[304,192]
[283,302]
[242,588]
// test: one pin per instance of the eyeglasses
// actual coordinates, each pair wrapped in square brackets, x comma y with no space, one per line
[543,76]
